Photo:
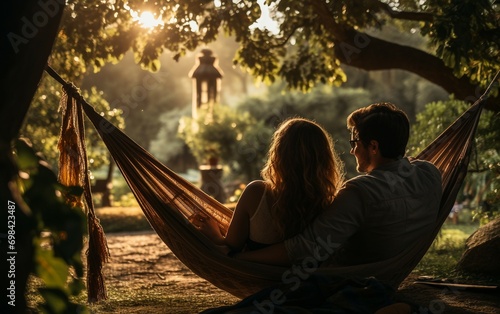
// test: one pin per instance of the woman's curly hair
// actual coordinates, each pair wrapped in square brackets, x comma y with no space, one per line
[303,172]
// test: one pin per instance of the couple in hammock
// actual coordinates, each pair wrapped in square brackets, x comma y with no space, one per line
[304,209]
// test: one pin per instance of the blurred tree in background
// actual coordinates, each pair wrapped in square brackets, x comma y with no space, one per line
[241,136]
[222,135]
[482,184]
[142,96]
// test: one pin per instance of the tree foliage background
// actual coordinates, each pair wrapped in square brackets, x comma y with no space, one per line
[448,43]
[311,42]
[482,184]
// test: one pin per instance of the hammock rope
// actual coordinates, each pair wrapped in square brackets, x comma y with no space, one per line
[168,200]
[73,171]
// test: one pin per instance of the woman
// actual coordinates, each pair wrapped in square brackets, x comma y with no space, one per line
[301,177]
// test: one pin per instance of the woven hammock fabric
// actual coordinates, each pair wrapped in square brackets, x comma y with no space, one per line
[168,200]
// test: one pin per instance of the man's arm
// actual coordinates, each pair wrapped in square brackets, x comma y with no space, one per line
[321,238]
[275,254]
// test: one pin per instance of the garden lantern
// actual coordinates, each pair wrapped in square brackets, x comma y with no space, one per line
[206,77]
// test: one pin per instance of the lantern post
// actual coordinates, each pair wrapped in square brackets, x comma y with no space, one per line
[207,76]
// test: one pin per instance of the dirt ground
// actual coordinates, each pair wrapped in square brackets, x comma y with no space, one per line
[143,276]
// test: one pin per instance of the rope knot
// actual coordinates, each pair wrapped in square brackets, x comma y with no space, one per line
[73,91]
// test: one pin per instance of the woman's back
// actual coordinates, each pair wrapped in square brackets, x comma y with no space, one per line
[263,231]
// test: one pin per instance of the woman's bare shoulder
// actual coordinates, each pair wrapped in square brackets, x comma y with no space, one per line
[256,187]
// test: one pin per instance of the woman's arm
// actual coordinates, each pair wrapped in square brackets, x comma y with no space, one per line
[209,227]
[239,227]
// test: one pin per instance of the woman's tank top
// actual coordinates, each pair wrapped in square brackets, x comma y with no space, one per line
[262,230]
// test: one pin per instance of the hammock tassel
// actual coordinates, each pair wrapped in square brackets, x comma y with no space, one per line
[73,171]
[97,253]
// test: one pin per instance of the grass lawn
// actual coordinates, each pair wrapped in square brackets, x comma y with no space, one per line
[122,219]
[442,257]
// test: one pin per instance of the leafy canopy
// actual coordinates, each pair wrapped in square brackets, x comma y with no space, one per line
[311,41]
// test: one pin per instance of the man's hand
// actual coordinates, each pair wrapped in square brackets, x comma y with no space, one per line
[275,254]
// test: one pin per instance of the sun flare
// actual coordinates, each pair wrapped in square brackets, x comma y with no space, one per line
[146,19]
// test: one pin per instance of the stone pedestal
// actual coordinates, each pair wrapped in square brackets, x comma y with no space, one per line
[211,182]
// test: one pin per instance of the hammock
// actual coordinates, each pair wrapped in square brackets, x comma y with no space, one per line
[167,201]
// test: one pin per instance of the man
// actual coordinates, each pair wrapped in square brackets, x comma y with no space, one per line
[375,216]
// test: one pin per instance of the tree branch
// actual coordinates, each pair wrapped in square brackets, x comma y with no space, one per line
[404,15]
[370,53]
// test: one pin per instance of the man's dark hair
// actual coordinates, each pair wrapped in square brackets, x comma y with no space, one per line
[382,122]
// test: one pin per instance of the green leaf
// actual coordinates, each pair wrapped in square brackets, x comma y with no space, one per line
[55,300]
[52,270]
[76,286]
[26,157]
[72,190]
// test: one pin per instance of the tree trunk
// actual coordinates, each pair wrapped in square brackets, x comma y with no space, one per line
[28,34]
